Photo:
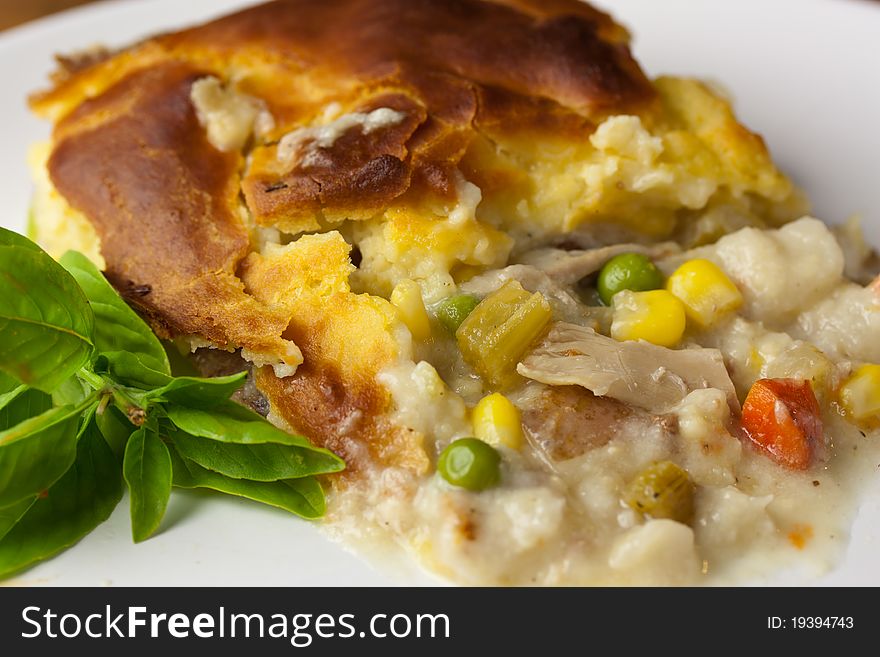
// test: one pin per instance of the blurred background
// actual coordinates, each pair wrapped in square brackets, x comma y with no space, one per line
[14,12]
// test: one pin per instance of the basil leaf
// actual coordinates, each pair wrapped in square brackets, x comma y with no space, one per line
[198,392]
[125,374]
[46,323]
[262,462]
[77,503]
[35,453]
[115,428]
[72,392]
[117,326]
[29,403]
[232,423]
[10,515]
[18,402]
[147,471]
[303,497]
[131,370]
[10,388]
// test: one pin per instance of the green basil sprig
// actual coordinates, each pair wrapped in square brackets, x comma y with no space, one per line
[88,405]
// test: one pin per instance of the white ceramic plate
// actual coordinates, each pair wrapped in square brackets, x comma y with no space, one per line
[804,73]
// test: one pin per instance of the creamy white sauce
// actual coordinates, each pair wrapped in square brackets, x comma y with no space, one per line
[564,522]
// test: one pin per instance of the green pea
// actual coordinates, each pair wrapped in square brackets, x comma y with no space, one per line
[470,463]
[627,271]
[454,310]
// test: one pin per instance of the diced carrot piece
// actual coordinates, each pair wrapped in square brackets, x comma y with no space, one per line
[781,417]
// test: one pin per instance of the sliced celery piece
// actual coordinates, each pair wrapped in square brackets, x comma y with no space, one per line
[497,333]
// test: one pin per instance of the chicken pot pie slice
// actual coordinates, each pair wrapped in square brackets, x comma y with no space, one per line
[318,191]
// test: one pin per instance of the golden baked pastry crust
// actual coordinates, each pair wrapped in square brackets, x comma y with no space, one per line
[465,77]
[137,163]
[451,66]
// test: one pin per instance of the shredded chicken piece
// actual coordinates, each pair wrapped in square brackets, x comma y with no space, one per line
[568,267]
[636,372]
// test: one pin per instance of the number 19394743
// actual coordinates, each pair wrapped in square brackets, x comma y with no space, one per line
[810,623]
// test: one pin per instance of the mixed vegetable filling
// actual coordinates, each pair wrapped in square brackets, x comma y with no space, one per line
[610,323]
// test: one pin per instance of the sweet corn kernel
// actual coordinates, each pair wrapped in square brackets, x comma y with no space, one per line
[706,291]
[655,316]
[860,393]
[496,421]
[407,297]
